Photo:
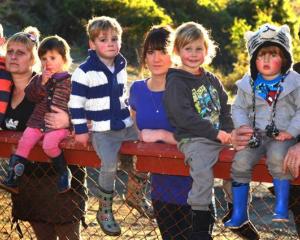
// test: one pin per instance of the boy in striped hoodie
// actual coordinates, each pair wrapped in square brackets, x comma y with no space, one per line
[5,80]
[97,97]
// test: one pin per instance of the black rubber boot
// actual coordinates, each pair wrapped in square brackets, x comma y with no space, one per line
[16,168]
[247,231]
[295,206]
[64,173]
[202,224]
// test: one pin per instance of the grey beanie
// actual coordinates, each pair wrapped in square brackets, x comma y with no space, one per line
[269,35]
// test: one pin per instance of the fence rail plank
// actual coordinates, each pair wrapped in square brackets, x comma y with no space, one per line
[151,157]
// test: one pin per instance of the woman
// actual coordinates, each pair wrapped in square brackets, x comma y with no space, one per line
[50,214]
[169,193]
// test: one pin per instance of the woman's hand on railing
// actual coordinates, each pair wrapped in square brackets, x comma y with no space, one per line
[292,160]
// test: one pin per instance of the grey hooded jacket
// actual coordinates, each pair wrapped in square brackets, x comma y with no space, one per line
[287,116]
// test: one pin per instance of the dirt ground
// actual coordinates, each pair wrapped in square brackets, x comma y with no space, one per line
[134,226]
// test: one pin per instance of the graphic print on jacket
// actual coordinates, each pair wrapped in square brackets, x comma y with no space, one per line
[207,104]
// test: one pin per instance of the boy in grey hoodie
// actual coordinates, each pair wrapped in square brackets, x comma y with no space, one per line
[196,105]
[268,100]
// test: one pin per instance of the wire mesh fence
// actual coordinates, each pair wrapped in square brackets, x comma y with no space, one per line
[135,224]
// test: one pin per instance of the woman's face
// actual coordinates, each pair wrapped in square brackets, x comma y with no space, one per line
[19,59]
[158,62]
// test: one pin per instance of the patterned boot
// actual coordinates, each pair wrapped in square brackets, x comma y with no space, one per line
[136,194]
[16,168]
[105,215]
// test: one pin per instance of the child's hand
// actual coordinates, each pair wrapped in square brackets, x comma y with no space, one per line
[82,138]
[46,75]
[284,136]
[224,137]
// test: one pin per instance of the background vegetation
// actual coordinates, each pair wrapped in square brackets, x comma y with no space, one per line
[227,20]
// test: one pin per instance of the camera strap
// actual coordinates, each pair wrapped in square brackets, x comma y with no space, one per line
[272,117]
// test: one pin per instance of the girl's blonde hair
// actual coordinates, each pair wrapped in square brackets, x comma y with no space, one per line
[189,32]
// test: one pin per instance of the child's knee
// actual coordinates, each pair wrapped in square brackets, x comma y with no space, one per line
[276,157]
[109,167]
[51,151]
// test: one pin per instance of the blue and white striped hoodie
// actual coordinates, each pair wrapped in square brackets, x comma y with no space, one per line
[98,95]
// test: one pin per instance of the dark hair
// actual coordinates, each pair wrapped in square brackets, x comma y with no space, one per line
[58,44]
[157,38]
[296,67]
[267,46]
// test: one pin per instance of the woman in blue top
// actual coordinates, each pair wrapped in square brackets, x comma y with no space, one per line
[168,192]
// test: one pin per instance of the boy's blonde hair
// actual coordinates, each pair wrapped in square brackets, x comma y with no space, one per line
[1,31]
[103,23]
[189,32]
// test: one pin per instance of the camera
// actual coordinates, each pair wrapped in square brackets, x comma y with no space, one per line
[272,131]
[254,141]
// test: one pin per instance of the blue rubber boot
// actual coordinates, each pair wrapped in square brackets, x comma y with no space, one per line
[16,167]
[240,206]
[64,173]
[281,211]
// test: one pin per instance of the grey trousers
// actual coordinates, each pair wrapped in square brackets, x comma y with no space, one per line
[246,159]
[107,145]
[201,154]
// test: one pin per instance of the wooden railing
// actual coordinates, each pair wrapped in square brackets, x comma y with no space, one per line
[151,157]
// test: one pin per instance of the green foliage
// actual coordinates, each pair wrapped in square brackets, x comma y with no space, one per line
[228,20]
[239,69]
[238,29]
[214,5]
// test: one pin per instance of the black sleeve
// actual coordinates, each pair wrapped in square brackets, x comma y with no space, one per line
[181,110]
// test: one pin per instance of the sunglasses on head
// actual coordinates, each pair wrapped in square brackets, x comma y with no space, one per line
[32,37]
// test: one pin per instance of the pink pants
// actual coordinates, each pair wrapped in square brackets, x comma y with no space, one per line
[51,141]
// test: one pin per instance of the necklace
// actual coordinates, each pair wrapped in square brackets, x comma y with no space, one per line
[156,106]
